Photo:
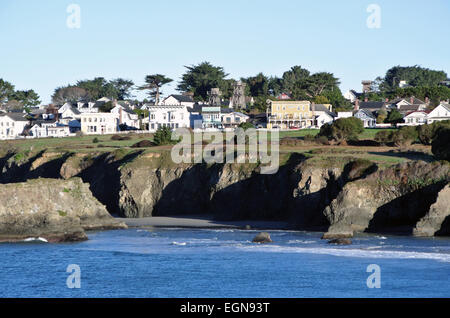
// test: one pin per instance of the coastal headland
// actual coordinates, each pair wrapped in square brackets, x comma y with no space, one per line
[338,190]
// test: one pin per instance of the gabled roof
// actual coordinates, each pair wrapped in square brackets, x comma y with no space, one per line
[409,108]
[366,112]
[446,106]
[406,99]
[418,111]
[356,94]
[74,110]
[182,98]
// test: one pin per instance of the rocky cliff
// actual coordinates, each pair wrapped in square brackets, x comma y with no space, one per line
[56,210]
[340,199]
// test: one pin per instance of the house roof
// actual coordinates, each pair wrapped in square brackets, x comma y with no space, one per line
[227,110]
[15,116]
[356,93]
[195,109]
[182,98]
[366,112]
[371,105]
[75,111]
[408,100]
[241,114]
[320,108]
[40,122]
[406,108]
[418,111]
[446,106]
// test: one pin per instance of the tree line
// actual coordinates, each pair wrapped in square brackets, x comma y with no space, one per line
[13,99]
[421,82]
[298,82]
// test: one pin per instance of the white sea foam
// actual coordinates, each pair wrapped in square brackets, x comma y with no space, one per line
[179,243]
[347,252]
[301,242]
[36,239]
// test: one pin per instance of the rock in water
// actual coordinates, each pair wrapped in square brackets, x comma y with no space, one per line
[262,238]
[340,241]
[53,209]
[337,235]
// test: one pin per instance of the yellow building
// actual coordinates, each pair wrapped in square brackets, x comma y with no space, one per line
[287,114]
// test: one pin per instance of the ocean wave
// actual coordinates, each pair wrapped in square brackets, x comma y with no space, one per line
[349,252]
[179,243]
[301,242]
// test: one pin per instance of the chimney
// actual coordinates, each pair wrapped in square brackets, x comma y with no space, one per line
[427,100]
[386,100]
[411,100]
[356,104]
[120,115]
[313,107]
[366,99]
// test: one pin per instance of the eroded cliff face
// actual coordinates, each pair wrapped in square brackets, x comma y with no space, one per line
[57,210]
[390,200]
[341,199]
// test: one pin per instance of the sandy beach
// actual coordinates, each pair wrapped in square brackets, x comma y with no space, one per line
[203,222]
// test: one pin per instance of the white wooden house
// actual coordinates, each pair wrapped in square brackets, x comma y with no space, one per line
[173,116]
[440,113]
[126,116]
[49,128]
[231,119]
[178,100]
[99,123]
[12,125]
[415,118]
[367,118]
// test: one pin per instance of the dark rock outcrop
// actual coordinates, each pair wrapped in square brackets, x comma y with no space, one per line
[340,241]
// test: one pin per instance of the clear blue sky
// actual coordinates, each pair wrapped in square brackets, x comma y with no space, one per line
[133,38]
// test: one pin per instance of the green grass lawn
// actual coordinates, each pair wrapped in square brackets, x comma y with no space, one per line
[368,133]
[320,153]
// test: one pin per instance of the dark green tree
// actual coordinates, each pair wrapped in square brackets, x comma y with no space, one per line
[199,79]
[163,136]
[153,84]
[70,94]
[414,75]
[296,76]
[123,88]
[275,86]
[394,117]
[258,85]
[27,98]
[99,87]
[6,90]
[343,129]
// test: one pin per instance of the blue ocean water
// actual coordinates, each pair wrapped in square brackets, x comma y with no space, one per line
[181,263]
